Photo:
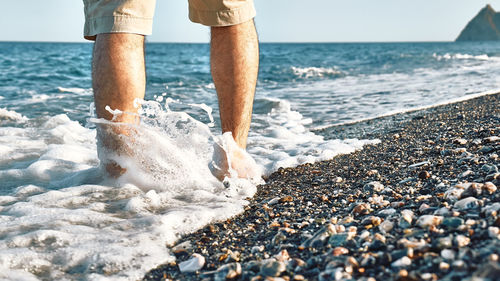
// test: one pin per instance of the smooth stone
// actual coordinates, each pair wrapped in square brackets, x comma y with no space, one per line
[448,254]
[386,212]
[443,211]
[492,176]
[373,186]
[195,263]
[444,242]
[454,193]
[489,187]
[452,222]
[462,240]
[338,239]
[386,226]
[419,164]
[272,268]
[466,204]
[466,174]
[402,262]
[460,141]
[226,272]
[489,168]
[491,210]
[428,220]
[491,139]
[486,149]
[494,232]
[407,215]
[424,175]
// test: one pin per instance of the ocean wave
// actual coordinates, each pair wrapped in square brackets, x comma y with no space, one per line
[312,72]
[10,115]
[73,90]
[458,56]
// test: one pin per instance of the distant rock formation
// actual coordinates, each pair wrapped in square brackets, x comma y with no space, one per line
[483,27]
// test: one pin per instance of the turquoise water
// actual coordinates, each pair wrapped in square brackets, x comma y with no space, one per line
[62,218]
[330,83]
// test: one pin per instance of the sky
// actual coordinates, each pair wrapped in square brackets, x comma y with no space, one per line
[277,20]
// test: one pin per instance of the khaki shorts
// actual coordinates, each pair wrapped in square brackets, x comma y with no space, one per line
[136,16]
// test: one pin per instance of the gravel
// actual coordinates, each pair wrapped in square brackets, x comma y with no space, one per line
[421,205]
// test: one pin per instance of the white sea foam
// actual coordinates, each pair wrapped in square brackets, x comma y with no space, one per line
[458,56]
[11,115]
[73,90]
[309,72]
[65,220]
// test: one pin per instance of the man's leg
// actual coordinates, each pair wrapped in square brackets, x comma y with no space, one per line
[118,74]
[118,78]
[235,64]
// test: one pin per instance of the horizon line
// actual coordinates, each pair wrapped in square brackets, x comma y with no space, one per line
[262,42]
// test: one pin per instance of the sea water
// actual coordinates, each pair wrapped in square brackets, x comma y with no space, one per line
[62,218]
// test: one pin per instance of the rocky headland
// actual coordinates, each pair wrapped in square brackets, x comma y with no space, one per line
[485,26]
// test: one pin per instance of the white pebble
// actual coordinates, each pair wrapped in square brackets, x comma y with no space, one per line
[428,220]
[448,254]
[195,263]
[462,240]
[494,232]
[402,262]
[466,203]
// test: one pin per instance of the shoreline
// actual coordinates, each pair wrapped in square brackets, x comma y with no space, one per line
[421,205]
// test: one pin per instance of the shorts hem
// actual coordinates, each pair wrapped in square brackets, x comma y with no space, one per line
[223,18]
[117,24]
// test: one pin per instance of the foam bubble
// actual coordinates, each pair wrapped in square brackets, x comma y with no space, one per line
[65,218]
[10,115]
[309,72]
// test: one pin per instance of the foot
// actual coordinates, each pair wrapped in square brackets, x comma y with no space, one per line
[232,161]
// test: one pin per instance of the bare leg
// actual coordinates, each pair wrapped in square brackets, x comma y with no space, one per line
[234,64]
[118,73]
[118,78]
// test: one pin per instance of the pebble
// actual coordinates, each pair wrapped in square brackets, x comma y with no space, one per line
[466,174]
[466,204]
[494,232]
[386,212]
[272,268]
[491,139]
[462,240]
[226,272]
[407,215]
[448,254]
[486,149]
[361,209]
[452,222]
[338,251]
[195,263]
[444,266]
[338,239]
[489,187]
[426,221]
[460,141]
[491,210]
[489,168]
[419,164]
[402,262]
[424,175]
[454,193]
[386,226]
[373,186]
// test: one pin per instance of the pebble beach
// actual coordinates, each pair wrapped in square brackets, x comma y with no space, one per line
[423,204]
